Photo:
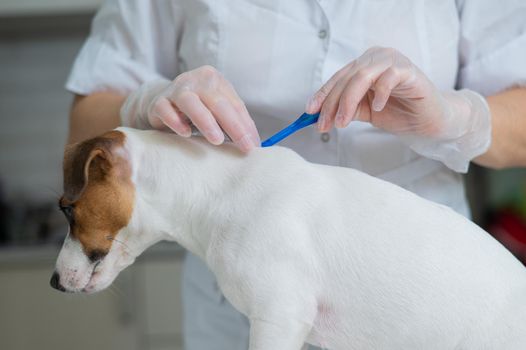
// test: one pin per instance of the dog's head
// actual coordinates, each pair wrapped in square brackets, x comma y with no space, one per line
[98,201]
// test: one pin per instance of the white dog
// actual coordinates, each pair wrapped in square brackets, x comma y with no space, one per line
[310,253]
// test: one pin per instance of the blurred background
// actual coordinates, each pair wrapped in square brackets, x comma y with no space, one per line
[38,43]
[39,40]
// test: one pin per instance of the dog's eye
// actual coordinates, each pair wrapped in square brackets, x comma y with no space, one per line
[68,213]
[96,255]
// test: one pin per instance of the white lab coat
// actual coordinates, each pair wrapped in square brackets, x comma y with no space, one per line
[276,54]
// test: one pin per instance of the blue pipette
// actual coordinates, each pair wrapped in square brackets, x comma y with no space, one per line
[303,121]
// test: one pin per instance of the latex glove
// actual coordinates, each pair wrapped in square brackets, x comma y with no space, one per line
[202,96]
[384,88]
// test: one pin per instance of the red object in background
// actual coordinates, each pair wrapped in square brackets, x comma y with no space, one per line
[510,229]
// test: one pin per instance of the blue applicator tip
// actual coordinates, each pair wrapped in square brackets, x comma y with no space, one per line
[303,121]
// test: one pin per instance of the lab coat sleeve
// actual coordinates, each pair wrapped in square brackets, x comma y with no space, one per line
[492,45]
[131,42]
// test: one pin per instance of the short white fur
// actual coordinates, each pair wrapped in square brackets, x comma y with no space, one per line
[321,254]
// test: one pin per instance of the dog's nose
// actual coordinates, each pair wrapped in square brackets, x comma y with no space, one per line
[55,282]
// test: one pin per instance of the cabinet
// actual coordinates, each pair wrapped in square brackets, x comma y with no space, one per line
[158,286]
[140,311]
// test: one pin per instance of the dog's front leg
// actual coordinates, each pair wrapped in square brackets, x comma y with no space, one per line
[277,335]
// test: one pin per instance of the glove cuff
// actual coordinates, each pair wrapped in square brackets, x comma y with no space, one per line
[134,111]
[466,131]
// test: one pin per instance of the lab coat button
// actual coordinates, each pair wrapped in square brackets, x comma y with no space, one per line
[325,137]
[322,34]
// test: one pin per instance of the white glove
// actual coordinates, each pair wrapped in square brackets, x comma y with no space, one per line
[202,97]
[465,131]
[384,88]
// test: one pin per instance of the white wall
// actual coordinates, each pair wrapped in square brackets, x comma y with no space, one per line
[34,111]
[46,7]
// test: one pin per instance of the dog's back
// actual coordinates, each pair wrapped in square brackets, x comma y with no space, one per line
[424,277]
[371,265]
[389,270]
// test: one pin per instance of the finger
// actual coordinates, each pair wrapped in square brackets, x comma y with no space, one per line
[244,117]
[314,104]
[332,101]
[383,87]
[330,106]
[354,93]
[191,105]
[164,113]
[230,121]
[363,111]
[251,122]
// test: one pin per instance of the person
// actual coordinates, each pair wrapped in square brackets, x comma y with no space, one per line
[409,91]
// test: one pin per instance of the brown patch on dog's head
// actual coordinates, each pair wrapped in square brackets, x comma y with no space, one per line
[98,191]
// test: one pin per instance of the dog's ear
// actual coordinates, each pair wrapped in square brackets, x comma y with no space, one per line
[92,160]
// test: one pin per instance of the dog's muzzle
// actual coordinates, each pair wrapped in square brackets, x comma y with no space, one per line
[55,282]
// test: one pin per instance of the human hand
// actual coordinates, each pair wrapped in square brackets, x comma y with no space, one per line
[201,96]
[384,88]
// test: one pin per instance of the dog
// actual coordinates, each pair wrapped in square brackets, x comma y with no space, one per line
[309,253]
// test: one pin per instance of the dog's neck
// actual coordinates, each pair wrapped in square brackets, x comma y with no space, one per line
[183,188]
